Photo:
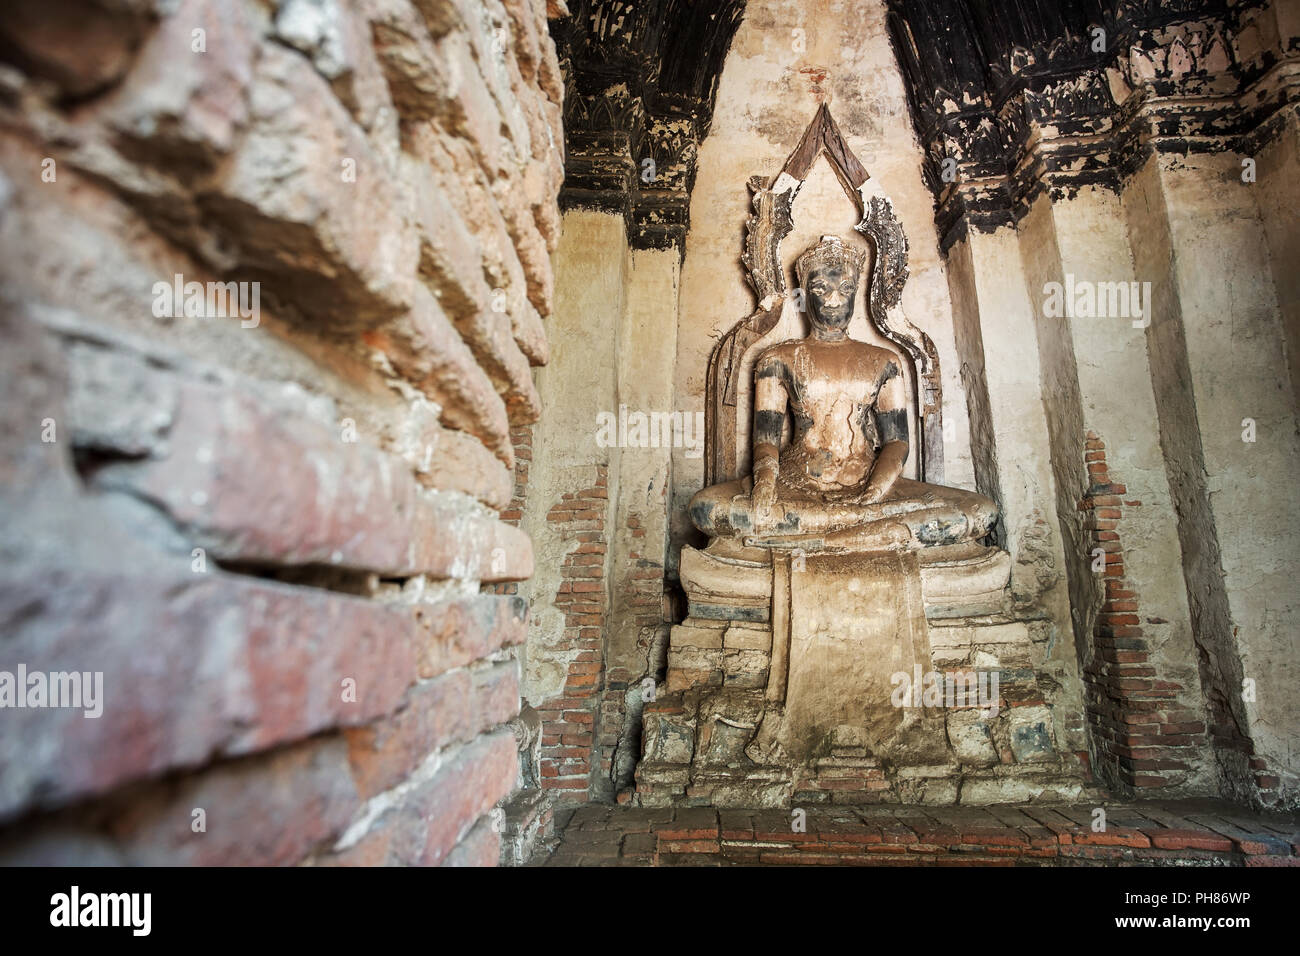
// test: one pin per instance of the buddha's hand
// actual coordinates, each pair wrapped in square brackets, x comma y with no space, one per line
[764,500]
[872,494]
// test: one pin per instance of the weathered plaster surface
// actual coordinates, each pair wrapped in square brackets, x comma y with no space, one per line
[997,325]
[1278,193]
[580,382]
[1232,328]
[1119,404]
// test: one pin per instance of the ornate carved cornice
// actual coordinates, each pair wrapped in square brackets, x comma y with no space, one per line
[640,80]
[1011,98]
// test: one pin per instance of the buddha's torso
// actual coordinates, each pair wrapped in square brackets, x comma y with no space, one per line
[832,388]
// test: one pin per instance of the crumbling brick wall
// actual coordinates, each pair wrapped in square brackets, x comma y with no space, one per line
[1147,734]
[264,511]
[521,441]
[569,734]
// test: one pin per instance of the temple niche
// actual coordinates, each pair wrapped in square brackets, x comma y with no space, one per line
[839,253]
[850,636]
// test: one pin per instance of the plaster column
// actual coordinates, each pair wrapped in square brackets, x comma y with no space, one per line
[995,326]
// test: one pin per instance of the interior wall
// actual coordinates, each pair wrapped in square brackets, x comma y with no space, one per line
[568,506]
[596,504]
[996,311]
[1278,178]
[636,636]
[1138,587]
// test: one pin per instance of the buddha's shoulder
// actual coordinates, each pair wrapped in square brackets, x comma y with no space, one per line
[874,355]
[785,353]
[782,353]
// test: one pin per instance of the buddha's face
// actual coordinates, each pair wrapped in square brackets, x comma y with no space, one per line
[830,291]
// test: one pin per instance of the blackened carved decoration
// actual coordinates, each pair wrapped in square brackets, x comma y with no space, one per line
[641,77]
[1013,98]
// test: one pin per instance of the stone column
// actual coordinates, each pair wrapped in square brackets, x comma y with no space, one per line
[635,633]
[1139,658]
[567,511]
[1228,428]
[995,325]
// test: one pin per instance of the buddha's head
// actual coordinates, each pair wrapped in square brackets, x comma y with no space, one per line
[828,274]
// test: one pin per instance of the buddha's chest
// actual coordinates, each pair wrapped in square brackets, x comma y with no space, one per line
[832,386]
[817,398]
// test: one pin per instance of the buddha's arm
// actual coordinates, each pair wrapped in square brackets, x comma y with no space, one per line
[769,420]
[769,413]
[891,417]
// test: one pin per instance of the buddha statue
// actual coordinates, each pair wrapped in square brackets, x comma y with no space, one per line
[837,485]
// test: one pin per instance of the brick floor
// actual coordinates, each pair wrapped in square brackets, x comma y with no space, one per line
[1196,832]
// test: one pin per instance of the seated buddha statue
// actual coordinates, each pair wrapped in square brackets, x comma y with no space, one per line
[837,485]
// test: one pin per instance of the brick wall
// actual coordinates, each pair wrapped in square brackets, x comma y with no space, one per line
[569,733]
[606,584]
[269,529]
[521,441]
[1145,737]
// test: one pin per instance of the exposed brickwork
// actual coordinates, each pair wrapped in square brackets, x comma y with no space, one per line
[1269,784]
[282,654]
[521,440]
[440,808]
[1144,738]
[569,732]
[268,520]
[1173,833]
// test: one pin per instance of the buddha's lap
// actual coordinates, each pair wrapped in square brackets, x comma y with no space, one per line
[728,509]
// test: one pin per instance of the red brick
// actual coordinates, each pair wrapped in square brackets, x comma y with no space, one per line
[465,629]
[425,827]
[227,452]
[677,833]
[687,846]
[481,847]
[1174,839]
[282,653]
[453,708]
[265,810]
[1114,836]
[1175,729]
[994,836]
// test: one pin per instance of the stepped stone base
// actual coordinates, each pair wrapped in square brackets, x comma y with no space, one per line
[707,737]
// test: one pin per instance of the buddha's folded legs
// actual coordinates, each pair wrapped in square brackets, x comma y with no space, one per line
[930,514]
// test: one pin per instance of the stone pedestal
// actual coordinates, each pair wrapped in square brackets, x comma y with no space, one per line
[765,705]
